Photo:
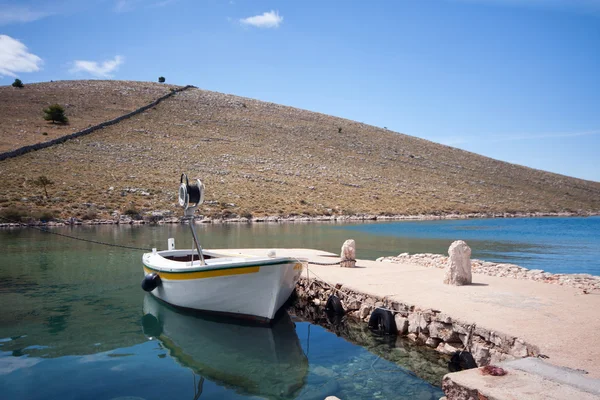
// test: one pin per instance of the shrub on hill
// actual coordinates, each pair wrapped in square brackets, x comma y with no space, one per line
[133,213]
[161,79]
[55,113]
[43,181]
[18,83]
[13,214]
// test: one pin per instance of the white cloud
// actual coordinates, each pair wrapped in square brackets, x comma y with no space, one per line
[15,58]
[125,5]
[103,70]
[163,3]
[270,19]
[12,14]
[122,6]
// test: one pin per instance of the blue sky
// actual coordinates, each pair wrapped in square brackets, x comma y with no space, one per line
[516,80]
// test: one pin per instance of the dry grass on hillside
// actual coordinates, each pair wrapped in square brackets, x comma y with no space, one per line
[265,159]
[86,103]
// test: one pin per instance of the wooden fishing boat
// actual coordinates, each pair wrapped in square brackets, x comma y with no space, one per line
[217,281]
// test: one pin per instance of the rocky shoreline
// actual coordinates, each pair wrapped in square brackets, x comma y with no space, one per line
[166,217]
[585,282]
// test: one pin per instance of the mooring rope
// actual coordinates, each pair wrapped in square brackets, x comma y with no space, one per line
[74,237]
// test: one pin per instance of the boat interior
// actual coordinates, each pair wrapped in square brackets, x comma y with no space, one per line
[186,256]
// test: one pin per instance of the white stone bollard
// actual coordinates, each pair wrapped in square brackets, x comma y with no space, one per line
[458,270]
[348,254]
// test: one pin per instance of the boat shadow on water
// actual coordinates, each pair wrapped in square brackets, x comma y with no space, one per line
[263,360]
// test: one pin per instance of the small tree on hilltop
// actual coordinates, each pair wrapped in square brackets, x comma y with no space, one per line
[55,113]
[161,79]
[18,83]
[43,181]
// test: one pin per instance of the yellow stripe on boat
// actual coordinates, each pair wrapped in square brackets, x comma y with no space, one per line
[178,276]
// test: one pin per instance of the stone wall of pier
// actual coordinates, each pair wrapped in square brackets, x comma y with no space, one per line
[424,326]
[87,131]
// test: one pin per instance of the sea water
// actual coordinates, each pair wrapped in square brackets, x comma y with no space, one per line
[553,244]
[557,245]
[75,324]
[73,321]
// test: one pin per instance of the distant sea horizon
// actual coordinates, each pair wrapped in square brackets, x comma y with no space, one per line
[553,244]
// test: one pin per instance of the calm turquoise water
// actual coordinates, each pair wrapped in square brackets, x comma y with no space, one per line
[74,324]
[558,245]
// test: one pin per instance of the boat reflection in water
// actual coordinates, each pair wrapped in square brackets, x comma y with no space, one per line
[260,360]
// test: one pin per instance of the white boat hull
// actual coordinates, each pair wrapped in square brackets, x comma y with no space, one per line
[253,286]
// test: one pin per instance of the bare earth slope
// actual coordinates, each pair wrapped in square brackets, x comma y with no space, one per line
[86,103]
[265,159]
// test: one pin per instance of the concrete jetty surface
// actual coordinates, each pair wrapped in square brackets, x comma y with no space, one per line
[562,321]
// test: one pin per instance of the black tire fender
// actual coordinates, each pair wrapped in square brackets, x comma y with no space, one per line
[382,321]
[151,282]
[334,305]
[460,361]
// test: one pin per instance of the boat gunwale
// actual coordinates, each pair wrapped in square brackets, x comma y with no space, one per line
[264,262]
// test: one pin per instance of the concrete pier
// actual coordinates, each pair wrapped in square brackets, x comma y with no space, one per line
[563,322]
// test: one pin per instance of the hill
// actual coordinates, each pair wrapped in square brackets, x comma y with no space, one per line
[86,103]
[259,159]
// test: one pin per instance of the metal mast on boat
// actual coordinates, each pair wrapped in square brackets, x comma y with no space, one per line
[190,197]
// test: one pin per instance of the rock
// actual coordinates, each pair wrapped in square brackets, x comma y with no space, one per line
[519,349]
[443,318]
[413,322]
[353,305]
[432,342]
[449,348]
[501,340]
[442,331]
[348,254]
[497,357]
[412,337]
[460,328]
[322,371]
[480,353]
[483,333]
[401,324]
[458,269]
[364,311]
